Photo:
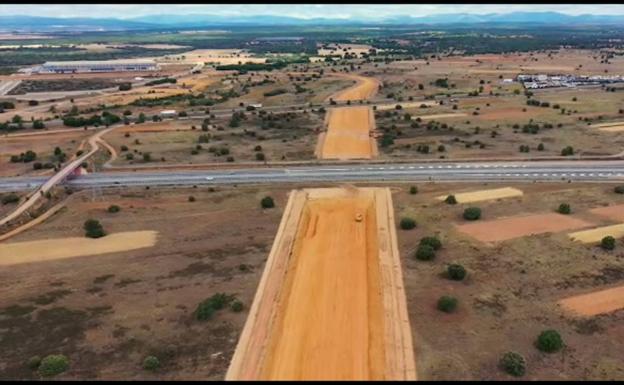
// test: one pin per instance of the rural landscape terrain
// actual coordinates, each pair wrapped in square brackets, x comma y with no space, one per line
[274,198]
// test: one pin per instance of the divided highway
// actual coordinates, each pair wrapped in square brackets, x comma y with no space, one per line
[590,171]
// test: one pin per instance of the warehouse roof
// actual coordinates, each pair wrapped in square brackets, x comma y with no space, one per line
[101,62]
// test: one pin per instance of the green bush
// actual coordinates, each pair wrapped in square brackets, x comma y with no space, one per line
[206,309]
[93,229]
[113,209]
[407,223]
[425,253]
[267,203]
[513,363]
[447,304]
[472,213]
[53,364]
[456,272]
[549,341]
[451,200]
[619,189]
[191,199]
[413,190]
[34,362]
[151,363]
[10,198]
[564,208]
[431,241]
[237,306]
[608,243]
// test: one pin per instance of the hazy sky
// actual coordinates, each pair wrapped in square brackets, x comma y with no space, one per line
[366,11]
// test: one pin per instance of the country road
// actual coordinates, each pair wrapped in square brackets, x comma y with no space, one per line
[598,171]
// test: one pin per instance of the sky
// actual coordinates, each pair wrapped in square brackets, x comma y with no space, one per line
[306,11]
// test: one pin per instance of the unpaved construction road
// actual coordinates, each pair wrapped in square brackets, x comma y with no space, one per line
[331,304]
[349,128]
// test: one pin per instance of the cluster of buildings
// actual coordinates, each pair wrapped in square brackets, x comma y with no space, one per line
[549,81]
[96,66]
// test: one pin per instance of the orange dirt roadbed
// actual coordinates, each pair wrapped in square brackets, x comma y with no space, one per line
[331,303]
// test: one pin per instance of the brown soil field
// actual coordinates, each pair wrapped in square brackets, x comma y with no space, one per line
[68,141]
[109,312]
[348,134]
[325,249]
[596,235]
[598,302]
[483,195]
[508,228]
[51,249]
[615,213]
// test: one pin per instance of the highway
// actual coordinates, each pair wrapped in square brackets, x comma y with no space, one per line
[590,171]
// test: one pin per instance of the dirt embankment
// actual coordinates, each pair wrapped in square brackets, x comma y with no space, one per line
[340,245]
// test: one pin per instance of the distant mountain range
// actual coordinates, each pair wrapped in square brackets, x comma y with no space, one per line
[48,24]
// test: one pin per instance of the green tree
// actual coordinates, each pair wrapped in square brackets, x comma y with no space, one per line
[434,242]
[113,209]
[564,208]
[93,228]
[549,341]
[407,223]
[456,272]
[151,363]
[450,200]
[567,151]
[513,363]
[472,213]
[619,189]
[237,306]
[413,190]
[267,202]
[53,364]
[447,304]
[38,125]
[425,253]
[608,243]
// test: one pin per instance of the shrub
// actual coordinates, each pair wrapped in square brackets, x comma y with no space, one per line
[413,190]
[53,364]
[260,156]
[451,200]
[447,304]
[608,243]
[191,199]
[113,209]
[431,241]
[564,208]
[93,229]
[10,198]
[619,189]
[472,213]
[425,253]
[549,341]
[237,306]
[34,362]
[267,203]
[456,272]
[567,151]
[151,363]
[513,363]
[407,223]
[206,309]
[129,156]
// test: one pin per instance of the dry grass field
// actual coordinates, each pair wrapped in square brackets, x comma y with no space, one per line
[109,311]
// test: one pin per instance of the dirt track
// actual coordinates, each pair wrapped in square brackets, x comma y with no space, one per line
[598,302]
[483,195]
[509,228]
[330,304]
[596,235]
[52,249]
[348,129]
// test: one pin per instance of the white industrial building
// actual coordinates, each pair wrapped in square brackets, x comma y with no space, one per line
[97,66]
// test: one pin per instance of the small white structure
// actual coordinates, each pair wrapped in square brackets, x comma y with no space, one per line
[507,81]
[97,66]
[255,105]
[168,114]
